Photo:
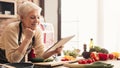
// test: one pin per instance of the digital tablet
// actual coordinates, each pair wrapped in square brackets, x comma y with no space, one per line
[60,43]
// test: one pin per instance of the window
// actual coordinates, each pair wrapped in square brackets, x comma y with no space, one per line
[112,24]
[97,19]
[80,18]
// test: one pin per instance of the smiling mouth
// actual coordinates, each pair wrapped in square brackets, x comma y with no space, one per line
[34,24]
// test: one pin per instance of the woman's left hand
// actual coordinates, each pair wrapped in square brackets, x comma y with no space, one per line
[58,50]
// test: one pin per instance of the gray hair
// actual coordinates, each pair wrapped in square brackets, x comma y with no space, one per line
[27,7]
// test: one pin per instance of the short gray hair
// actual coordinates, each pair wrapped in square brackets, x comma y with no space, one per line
[26,7]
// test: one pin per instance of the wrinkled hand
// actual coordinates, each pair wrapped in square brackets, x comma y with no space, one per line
[29,33]
[59,49]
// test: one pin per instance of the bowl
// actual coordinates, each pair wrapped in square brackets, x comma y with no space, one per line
[21,65]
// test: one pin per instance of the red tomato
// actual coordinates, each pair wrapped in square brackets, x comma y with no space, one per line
[82,61]
[111,56]
[103,56]
[94,56]
[64,59]
[93,60]
[89,60]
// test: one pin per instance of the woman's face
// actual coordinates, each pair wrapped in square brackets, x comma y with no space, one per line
[31,20]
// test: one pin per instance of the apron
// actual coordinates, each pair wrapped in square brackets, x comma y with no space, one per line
[3,58]
[30,45]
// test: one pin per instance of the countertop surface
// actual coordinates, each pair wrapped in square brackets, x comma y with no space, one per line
[59,64]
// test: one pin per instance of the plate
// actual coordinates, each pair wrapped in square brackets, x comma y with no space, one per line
[20,65]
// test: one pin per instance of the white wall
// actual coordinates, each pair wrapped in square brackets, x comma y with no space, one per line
[51,14]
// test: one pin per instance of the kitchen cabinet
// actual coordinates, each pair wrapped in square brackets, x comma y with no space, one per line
[8,9]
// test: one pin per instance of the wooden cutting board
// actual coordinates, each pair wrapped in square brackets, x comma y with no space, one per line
[116,64]
[54,63]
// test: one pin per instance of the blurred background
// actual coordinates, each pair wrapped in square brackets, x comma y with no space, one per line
[86,19]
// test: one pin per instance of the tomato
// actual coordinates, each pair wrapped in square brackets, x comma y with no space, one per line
[82,61]
[111,56]
[64,59]
[93,60]
[89,60]
[103,56]
[94,56]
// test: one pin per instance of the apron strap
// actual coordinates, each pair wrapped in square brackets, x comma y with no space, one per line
[19,40]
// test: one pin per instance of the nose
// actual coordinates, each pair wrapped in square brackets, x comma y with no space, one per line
[36,20]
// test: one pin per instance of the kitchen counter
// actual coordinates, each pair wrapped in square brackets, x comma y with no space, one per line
[54,64]
[116,63]
[59,64]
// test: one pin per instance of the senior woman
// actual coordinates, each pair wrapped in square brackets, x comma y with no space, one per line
[20,37]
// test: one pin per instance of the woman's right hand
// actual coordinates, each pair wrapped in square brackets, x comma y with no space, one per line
[29,33]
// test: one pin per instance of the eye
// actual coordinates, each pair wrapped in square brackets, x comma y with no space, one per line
[32,17]
[38,17]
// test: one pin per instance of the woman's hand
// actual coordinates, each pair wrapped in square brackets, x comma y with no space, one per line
[29,33]
[50,53]
[58,50]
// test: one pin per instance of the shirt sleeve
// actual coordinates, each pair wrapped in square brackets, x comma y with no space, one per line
[10,41]
[39,45]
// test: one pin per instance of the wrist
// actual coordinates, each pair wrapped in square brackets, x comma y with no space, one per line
[26,41]
[28,38]
[54,52]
